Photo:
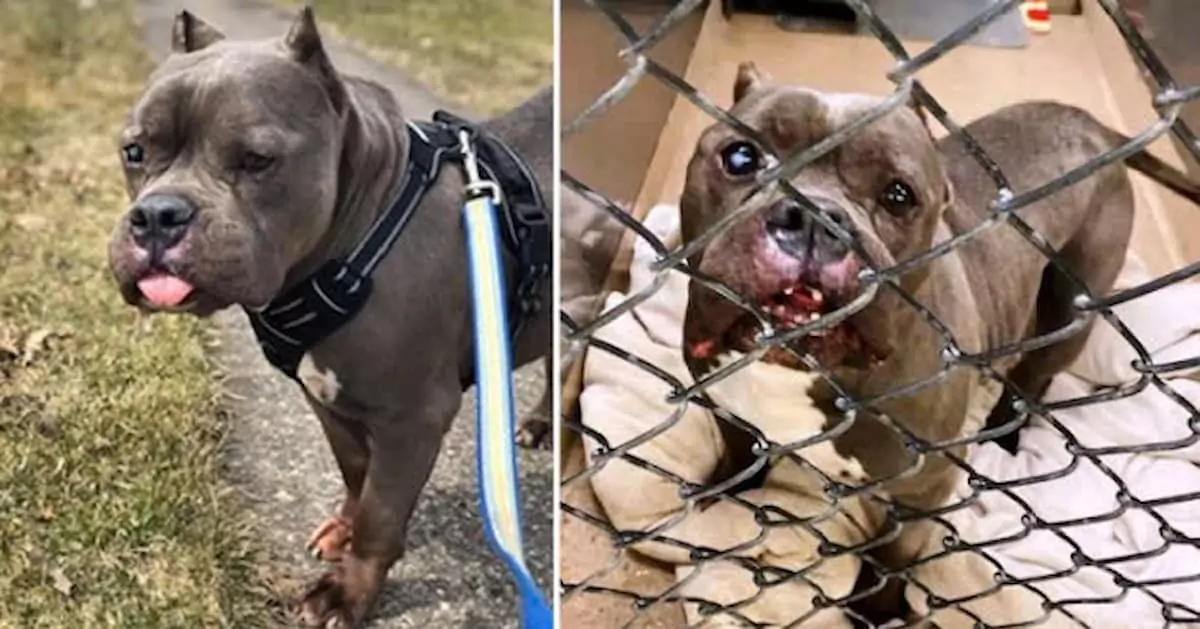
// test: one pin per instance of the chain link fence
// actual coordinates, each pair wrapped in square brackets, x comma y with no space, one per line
[878,576]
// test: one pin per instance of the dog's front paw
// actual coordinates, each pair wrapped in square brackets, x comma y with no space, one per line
[323,604]
[331,541]
[337,600]
[534,433]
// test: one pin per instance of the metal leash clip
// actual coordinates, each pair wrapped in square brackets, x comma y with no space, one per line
[476,185]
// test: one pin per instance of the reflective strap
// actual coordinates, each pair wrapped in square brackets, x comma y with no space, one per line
[425,158]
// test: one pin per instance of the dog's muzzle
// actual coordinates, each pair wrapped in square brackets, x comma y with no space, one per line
[802,235]
[158,222]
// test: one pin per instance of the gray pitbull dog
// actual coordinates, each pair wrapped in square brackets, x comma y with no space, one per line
[250,164]
[897,191]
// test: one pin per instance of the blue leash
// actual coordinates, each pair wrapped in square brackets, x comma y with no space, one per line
[499,496]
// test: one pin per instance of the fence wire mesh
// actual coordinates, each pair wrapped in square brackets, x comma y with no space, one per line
[885,575]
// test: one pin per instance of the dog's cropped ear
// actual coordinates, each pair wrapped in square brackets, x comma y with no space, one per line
[303,42]
[190,33]
[948,196]
[920,111]
[749,79]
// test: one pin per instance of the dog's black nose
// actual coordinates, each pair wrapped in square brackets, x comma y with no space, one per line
[160,220]
[801,235]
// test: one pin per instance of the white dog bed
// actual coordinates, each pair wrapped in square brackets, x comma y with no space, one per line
[622,402]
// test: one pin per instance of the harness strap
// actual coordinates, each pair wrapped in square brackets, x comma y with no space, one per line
[525,219]
[316,307]
[426,154]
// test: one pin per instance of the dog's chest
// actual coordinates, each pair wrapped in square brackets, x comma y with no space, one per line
[320,383]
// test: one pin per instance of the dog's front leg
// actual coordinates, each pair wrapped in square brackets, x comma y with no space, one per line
[404,446]
[348,440]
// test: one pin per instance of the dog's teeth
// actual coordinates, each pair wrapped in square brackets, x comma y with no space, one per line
[789,290]
[817,296]
[812,316]
[798,318]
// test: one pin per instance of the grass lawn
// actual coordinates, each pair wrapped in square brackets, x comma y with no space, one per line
[112,509]
[484,55]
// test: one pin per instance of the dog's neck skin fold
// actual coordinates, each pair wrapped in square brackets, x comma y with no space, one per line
[374,152]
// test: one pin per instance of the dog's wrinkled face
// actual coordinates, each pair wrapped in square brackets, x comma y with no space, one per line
[885,187]
[231,158]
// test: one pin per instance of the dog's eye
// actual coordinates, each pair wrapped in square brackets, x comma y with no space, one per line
[252,162]
[741,158]
[133,154]
[898,198]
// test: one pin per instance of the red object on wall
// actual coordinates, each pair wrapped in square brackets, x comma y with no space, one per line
[1036,15]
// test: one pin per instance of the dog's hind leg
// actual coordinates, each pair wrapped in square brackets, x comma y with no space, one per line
[534,430]
[411,439]
[348,440]
[1095,255]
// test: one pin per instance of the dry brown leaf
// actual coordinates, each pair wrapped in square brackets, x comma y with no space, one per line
[9,348]
[37,341]
[45,514]
[34,344]
[31,222]
[60,582]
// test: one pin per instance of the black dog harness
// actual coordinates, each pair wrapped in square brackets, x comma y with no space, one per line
[314,308]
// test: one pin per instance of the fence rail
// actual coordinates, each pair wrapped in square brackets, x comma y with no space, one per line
[1168,99]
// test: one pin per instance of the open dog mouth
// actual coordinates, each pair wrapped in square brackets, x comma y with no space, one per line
[796,305]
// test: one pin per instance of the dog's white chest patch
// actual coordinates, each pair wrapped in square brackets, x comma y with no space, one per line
[322,384]
[776,400]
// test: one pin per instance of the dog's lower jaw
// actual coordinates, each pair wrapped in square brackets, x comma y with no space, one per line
[200,304]
[840,346]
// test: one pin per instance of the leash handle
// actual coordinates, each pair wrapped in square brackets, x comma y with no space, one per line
[499,494]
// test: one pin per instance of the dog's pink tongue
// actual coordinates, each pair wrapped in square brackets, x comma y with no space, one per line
[164,290]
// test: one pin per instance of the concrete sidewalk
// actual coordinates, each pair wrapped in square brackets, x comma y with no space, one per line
[277,454]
